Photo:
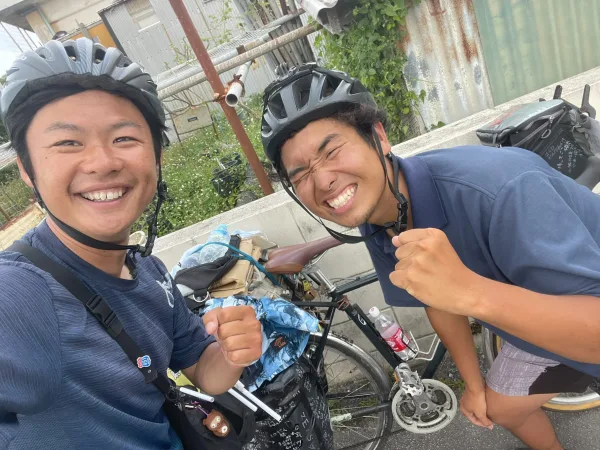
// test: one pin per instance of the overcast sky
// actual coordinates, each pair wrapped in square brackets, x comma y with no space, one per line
[9,50]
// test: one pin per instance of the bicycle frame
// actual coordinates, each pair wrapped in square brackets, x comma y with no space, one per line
[340,301]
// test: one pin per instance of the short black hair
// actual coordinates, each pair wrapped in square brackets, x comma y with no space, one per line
[20,118]
[361,118]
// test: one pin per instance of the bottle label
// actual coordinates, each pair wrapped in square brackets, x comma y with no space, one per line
[398,341]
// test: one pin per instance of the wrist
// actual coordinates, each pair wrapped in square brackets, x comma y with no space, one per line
[475,387]
[472,298]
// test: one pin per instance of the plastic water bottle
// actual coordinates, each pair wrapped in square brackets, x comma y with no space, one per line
[392,333]
[209,253]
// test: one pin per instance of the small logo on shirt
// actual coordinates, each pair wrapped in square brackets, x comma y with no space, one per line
[144,361]
[167,286]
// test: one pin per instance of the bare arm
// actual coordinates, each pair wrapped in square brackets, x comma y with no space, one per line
[563,324]
[455,333]
[213,374]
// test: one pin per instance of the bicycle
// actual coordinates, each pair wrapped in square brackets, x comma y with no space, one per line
[363,400]
[366,402]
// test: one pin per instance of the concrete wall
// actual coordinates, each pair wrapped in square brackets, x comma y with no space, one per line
[286,223]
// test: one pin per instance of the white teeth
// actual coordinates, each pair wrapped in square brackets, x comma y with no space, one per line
[343,198]
[103,196]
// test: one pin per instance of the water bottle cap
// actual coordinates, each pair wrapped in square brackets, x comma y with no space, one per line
[374,311]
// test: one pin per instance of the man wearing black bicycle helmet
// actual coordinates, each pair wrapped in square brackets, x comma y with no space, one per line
[88,130]
[494,234]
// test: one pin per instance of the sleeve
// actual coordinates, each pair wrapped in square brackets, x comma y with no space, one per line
[384,265]
[190,338]
[30,356]
[544,235]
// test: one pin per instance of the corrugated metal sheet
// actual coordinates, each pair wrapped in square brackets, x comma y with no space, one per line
[529,44]
[445,60]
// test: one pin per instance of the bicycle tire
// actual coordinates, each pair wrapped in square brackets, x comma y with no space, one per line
[358,359]
[492,343]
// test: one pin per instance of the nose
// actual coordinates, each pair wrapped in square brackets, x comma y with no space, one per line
[101,159]
[324,180]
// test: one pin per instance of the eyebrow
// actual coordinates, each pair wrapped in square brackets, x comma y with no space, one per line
[64,126]
[324,143]
[124,124]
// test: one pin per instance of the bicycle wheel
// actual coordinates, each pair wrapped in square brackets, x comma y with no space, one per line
[358,393]
[564,402]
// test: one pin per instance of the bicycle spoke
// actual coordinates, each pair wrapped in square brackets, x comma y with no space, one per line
[353,429]
[350,371]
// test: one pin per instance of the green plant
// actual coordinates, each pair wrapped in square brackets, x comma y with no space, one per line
[188,168]
[370,50]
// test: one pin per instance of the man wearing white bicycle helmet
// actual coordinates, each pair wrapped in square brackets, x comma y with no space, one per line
[88,127]
[494,234]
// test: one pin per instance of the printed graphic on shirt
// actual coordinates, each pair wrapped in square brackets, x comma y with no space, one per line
[167,286]
[144,361]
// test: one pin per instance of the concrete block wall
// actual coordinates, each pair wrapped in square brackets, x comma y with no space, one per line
[285,223]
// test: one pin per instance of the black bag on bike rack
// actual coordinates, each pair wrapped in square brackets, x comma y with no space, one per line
[548,128]
[298,394]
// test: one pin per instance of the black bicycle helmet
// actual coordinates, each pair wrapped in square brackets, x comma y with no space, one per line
[307,93]
[91,66]
[304,94]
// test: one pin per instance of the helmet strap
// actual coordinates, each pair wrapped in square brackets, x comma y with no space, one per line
[88,241]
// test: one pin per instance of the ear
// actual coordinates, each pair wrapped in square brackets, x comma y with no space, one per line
[385,143]
[24,176]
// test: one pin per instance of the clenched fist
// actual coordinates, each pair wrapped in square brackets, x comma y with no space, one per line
[238,332]
[429,269]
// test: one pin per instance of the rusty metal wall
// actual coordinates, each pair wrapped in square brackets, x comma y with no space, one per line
[445,60]
[529,44]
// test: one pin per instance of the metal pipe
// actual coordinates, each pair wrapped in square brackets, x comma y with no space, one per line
[13,39]
[195,70]
[230,54]
[237,87]
[213,78]
[243,58]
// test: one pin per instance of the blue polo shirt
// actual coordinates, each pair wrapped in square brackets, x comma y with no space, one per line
[510,217]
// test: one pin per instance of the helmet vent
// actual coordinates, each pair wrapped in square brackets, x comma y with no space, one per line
[71,52]
[329,86]
[301,89]
[43,53]
[99,55]
[123,62]
[277,108]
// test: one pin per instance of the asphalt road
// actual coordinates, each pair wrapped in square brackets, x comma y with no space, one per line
[576,431]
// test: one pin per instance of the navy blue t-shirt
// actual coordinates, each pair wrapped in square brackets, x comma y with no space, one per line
[64,382]
[510,217]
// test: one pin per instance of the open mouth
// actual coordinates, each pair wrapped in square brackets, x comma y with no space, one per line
[105,196]
[343,199]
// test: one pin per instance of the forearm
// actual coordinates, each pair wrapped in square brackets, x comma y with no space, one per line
[213,374]
[455,333]
[566,325]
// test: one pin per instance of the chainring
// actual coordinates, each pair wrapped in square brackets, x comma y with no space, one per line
[424,418]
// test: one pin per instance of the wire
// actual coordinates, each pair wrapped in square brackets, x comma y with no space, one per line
[243,255]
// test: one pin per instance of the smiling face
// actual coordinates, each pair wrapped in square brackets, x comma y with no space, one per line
[336,174]
[93,162]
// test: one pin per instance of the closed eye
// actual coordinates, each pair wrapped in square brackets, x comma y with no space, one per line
[66,143]
[125,139]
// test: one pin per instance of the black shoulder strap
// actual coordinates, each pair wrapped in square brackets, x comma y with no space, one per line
[102,312]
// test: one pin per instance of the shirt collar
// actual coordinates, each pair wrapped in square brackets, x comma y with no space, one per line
[425,203]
